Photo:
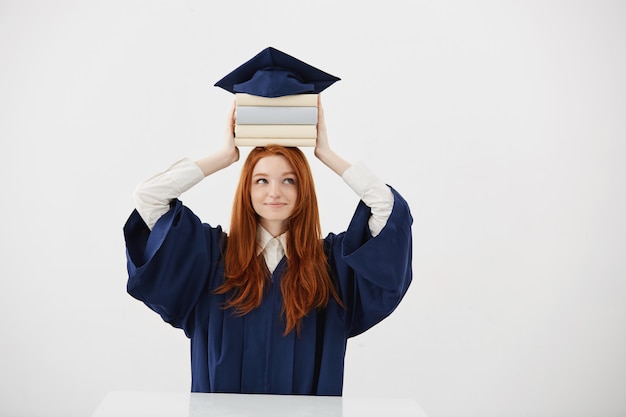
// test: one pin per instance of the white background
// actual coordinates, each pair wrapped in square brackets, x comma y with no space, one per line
[502,123]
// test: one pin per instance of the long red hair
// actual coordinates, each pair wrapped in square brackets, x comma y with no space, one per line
[306,284]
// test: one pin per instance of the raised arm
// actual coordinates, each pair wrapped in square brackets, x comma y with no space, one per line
[225,156]
[152,197]
[323,150]
[372,191]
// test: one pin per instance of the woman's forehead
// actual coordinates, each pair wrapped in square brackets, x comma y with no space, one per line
[272,163]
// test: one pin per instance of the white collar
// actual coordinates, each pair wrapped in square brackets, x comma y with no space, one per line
[263,237]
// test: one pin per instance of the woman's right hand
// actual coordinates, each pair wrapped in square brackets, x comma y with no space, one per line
[231,151]
[228,154]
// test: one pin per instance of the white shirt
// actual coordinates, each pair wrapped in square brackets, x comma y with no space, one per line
[273,248]
[152,198]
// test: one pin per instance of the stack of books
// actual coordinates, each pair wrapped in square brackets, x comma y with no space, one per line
[288,120]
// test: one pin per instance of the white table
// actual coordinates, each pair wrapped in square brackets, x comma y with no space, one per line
[171,404]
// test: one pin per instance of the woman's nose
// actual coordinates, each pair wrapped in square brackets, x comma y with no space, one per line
[274,189]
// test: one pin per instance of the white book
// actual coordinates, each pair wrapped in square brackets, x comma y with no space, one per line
[276,115]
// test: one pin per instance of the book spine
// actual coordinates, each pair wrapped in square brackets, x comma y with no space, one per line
[239,141]
[276,131]
[276,115]
[291,100]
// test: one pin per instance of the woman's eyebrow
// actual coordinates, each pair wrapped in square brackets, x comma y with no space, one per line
[263,174]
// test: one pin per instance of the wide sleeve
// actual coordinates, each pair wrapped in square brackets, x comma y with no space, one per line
[372,273]
[170,267]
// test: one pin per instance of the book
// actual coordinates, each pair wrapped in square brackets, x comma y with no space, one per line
[276,115]
[240,141]
[243,99]
[288,120]
[276,131]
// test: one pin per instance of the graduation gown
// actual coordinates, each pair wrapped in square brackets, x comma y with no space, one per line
[175,267]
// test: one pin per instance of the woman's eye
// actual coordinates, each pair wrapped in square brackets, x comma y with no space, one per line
[261,181]
[289,181]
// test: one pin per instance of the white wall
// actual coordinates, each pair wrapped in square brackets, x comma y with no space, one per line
[502,123]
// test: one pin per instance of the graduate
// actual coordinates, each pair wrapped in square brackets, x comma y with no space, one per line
[269,306]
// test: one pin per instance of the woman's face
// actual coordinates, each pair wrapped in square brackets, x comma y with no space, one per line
[273,192]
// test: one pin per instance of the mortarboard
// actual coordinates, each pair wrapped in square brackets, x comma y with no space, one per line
[273,73]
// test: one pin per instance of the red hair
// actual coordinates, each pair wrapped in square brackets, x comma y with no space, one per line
[306,284]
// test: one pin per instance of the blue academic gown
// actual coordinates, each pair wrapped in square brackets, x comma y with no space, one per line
[175,267]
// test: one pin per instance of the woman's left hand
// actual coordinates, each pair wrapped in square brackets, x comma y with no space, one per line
[321,143]
[322,148]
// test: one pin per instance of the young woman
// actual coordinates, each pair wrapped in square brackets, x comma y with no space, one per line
[269,307]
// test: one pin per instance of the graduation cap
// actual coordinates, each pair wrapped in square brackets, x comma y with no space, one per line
[273,73]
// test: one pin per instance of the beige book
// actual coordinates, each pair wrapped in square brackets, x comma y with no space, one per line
[276,131]
[239,141]
[291,100]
